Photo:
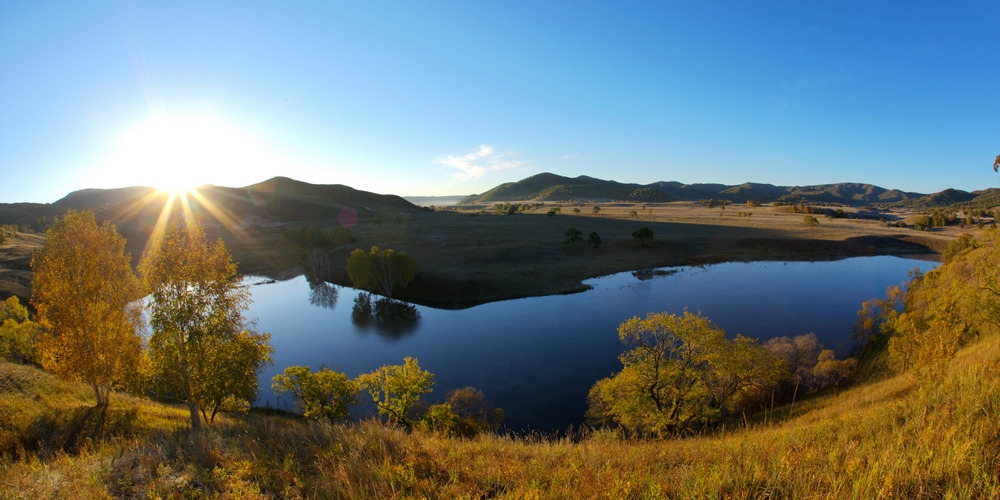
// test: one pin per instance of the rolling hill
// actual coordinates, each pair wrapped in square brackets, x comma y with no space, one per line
[274,201]
[552,187]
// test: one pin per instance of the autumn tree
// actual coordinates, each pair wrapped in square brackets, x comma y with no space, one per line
[573,235]
[832,370]
[381,271]
[85,293]
[642,235]
[682,373]
[201,349]
[465,413]
[800,353]
[395,389]
[323,394]
[18,333]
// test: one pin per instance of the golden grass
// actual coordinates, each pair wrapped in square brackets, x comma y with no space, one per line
[467,258]
[894,438]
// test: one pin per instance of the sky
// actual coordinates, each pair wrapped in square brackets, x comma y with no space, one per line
[453,98]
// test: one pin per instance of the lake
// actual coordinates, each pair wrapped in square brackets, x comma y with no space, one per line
[538,357]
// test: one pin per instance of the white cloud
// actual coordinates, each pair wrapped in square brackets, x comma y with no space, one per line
[478,163]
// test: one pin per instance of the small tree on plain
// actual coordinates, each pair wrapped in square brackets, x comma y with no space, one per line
[573,235]
[642,234]
[594,239]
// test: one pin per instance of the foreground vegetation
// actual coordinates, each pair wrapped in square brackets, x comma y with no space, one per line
[891,438]
[686,417]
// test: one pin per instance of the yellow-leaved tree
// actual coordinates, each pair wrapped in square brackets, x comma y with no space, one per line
[682,374]
[201,349]
[85,293]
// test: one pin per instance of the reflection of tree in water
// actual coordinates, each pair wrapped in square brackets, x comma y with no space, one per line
[322,294]
[319,273]
[390,318]
[648,273]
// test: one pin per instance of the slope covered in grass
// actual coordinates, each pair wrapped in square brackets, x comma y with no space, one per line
[891,438]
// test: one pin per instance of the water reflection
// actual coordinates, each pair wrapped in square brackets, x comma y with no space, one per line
[390,318]
[322,294]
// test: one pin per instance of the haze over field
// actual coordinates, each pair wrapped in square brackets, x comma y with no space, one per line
[430,100]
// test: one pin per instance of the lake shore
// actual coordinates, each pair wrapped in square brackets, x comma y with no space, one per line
[470,257]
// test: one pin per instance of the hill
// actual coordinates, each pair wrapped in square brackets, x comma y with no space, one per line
[889,438]
[274,201]
[552,187]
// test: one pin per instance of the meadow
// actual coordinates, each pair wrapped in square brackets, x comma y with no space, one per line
[888,438]
[473,255]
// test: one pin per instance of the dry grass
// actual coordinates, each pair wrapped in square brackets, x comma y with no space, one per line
[892,438]
[468,258]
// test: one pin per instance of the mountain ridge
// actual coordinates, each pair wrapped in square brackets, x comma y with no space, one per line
[552,187]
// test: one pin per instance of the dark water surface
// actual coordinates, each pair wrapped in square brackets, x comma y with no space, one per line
[538,357]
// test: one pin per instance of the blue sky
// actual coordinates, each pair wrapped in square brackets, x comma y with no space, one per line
[421,98]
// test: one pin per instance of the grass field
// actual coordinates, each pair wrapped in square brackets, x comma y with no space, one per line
[467,257]
[892,438]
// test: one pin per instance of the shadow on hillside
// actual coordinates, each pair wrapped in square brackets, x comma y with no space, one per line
[71,430]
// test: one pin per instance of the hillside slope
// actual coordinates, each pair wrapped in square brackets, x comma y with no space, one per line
[277,200]
[891,438]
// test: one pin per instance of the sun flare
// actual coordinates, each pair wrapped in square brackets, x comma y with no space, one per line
[177,152]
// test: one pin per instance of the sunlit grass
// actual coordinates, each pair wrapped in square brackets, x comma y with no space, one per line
[891,438]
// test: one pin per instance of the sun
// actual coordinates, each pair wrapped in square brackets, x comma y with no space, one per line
[178,152]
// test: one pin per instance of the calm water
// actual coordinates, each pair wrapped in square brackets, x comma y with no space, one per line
[538,357]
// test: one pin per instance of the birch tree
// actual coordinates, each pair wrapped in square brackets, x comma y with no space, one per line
[85,291]
[200,349]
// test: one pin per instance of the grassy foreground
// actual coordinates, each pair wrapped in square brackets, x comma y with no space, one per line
[884,439]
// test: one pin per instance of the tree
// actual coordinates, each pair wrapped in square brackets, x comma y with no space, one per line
[596,210]
[810,221]
[395,389]
[682,373]
[465,413]
[800,354]
[323,394]
[594,239]
[642,234]
[201,350]
[833,370]
[381,271]
[85,293]
[633,214]
[958,245]
[236,369]
[573,235]
[18,334]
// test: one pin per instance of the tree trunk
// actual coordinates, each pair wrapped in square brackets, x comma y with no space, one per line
[102,399]
[195,417]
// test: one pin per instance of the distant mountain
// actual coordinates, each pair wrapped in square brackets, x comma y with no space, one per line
[552,187]
[274,201]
